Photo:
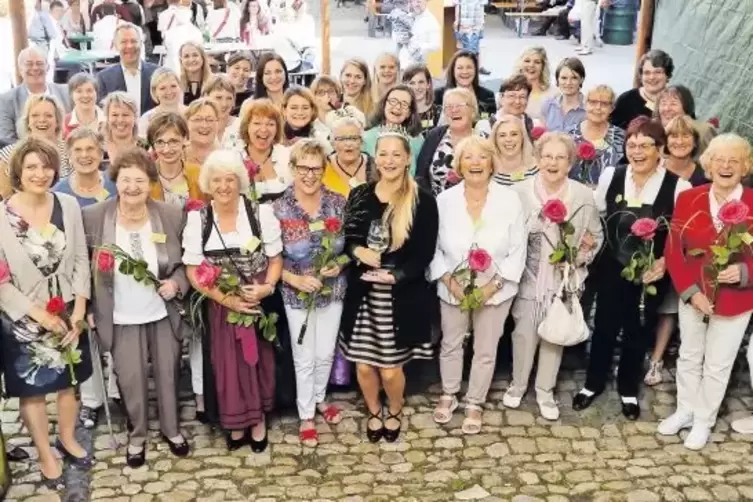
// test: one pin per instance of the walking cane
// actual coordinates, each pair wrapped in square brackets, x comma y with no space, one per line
[94,340]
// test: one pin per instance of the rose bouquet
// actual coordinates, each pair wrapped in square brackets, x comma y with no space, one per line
[642,260]
[210,276]
[587,155]
[325,258]
[729,245]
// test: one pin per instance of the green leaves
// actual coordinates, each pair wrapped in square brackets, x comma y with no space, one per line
[696,252]
[557,256]
[472,300]
[651,290]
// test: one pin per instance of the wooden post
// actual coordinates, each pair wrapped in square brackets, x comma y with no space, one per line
[645,30]
[17,11]
[325,37]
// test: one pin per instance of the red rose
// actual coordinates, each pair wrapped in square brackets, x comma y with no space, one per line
[479,260]
[644,228]
[453,178]
[194,205]
[4,272]
[555,211]
[733,212]
[586,151]
[55,305]
[332,225]
[714,122]
[105,261]
[252,168]
[537,132]
[207,274]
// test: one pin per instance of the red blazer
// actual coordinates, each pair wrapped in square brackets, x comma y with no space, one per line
[693,228]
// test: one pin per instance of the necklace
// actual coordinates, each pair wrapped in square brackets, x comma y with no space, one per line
[78,188]
[350,175]
[132,219]
[170,180]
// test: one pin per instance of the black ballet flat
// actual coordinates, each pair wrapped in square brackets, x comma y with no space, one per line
[391,435]
[261,445]
[85,462]
[178,449]
[136,460]
[375,435]
[237,444]
[631,411]
[55,484]
[201,417]
[582,401]
[17,454]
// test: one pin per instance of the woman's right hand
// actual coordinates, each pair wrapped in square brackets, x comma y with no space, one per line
[368,257]
[455,289]
[306,283]
[53,324]
[701,303]
[237,304]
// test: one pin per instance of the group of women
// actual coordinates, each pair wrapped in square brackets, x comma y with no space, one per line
[350,217]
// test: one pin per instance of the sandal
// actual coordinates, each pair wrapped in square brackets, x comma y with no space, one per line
[471,425]
[374,435]
[330,412]
[309,437]
[442,414]
[391,435]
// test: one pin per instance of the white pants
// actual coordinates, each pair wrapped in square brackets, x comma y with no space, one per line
[313,358]
[588,20]
[195,357]
[92,392]
[707,353]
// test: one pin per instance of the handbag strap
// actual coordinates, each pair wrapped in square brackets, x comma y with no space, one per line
[565,280]
[223,23]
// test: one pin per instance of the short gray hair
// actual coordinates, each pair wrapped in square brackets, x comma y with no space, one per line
[127,26]
[344,122]
[228,161]
[123,99]
[32,49]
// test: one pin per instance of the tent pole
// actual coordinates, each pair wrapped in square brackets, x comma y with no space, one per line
[645,30]
[325,37]
[17,11]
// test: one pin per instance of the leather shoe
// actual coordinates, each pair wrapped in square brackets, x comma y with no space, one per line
[136,460]
[582,401]
[631,411]
[178,449]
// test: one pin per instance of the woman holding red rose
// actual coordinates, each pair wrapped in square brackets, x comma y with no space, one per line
[43,303]
[713,314]
[487,219]
[643,189]
[549,199]
[309,216]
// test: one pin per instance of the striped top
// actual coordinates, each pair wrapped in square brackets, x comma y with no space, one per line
[506,179]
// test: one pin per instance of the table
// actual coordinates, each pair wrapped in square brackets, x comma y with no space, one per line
[87,58]
[81,40]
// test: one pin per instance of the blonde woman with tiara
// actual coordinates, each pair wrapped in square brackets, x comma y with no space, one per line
[390,234]
[356,83]
[386,74]
[533,64]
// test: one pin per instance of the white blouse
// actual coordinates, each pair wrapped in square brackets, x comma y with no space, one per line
[136,303]
[225,23]
[646,196]
[231,137]
[281,162]
[500,231]
[242,237]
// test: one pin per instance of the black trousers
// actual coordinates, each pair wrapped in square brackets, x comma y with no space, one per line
[617,310]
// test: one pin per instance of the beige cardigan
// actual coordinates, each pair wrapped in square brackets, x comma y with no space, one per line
[28,286]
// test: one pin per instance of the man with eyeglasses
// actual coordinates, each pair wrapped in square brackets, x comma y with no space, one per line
[513,99]
[33,66]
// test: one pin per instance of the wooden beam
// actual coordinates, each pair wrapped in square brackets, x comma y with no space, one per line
[645,30]
[17,11]
[325,37]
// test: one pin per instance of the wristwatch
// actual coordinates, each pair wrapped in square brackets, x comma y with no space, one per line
[497,281]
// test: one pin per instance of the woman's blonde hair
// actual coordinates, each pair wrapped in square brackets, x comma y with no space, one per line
[473,142]
[726,142]
[365,101]
[326,80]
[196,106]
[601,89]
[555,136]
[527,150]
[206,70]
[376,91]
[160,74]
[218,82]
[680,126]
[467,96]
[32,102]
[228,161]
[546,77]
[401,208]
[307,147]
[119,98]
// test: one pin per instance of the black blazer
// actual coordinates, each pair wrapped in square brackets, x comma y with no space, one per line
[111,80]
[487,102]
[414,302]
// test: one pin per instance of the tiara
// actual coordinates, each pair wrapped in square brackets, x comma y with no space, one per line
[393,130]
[346,111]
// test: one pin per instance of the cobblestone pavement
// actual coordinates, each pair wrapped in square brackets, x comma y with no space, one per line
[595,455]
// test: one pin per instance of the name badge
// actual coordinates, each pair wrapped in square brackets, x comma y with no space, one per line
[518,176]
[181,189]
[316,226]
[103,195]
[48,230]
[426,123]
[158,238]
[251,244]
[650,105]
[634,203]
[484,116]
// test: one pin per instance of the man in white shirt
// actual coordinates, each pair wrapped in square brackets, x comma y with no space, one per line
[425,36]
[132,75]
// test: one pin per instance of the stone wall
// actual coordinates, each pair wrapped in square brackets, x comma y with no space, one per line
[710,42]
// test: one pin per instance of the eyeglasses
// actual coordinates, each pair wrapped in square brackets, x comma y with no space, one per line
[515,97]
[599,103]
[34,64]
[658,72]
[397,103]
[721,161]
[306,170]
[644,147]
[456,106]
[553,158]
[171,144]
[352,139]
[326,92]
[203,120]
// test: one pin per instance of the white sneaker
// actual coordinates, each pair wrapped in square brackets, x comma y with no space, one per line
[675,423]
[511,401]
[549,410]
[743,425]
[698,437]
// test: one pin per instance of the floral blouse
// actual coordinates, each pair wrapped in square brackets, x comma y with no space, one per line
[609,152]
[302,239]
[441,165]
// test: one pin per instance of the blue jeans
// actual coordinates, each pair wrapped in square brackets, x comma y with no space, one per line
[470,41]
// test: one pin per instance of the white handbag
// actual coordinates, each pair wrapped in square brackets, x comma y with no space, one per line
[564,323]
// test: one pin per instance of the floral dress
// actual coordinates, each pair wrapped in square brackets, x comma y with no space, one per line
[33,362]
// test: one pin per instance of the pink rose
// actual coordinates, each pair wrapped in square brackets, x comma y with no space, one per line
[194,205]
[479,260]
[555,211]
[207,275]
[586,151]
[4,272]
[252,168]
[332,225]
[714,122]
[452,178]
[537,132]
[105,261]
[733,212]
[644,228]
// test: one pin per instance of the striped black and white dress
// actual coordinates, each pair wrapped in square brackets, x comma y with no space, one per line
[373,338]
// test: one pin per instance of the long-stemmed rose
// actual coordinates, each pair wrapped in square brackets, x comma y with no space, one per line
[253,170]
[4,272]
[71,355]
[537,132]
[556,212]
[466,274]
[587,155]
[642,260]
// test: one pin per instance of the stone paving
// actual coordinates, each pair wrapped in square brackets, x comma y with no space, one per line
[593,456]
